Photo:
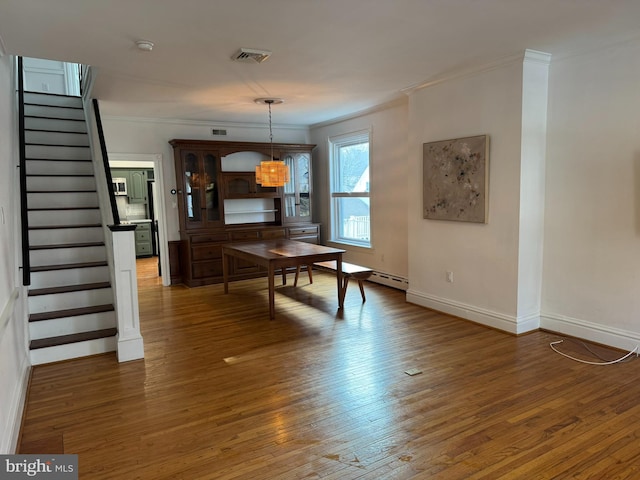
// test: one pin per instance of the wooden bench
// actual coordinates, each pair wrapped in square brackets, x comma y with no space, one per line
[349,270]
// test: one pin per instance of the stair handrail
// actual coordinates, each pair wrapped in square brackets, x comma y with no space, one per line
[24,213]
[105,162]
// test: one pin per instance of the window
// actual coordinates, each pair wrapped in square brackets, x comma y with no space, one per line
[349,163]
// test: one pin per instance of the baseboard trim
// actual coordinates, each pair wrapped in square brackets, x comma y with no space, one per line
[16,410]
[574,327]
[500,321]
[561,324]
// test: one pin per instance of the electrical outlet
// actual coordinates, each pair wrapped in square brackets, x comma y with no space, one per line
[450,277]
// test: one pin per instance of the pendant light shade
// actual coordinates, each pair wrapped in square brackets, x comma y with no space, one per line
[271,173]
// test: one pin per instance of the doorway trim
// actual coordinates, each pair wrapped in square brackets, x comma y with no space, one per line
[146,160]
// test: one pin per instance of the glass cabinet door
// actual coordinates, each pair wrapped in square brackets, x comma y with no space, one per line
[210,188]
[297,192]
[200,196]
[191,172]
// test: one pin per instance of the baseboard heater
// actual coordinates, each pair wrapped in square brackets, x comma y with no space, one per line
[389,280]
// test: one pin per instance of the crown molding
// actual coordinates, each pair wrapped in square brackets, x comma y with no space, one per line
[3,48]
[530,55]
[535,56]
[401,100]
[202,123]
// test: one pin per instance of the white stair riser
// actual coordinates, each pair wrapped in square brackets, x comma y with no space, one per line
[58,152]
[70,325]
[54,124]
[56,138]
[59,167]
[63,199]
[63,217]
[62,256]
[53,112]
[58,100]
[73,350]
[50,184]
[70,276]
[60,236]
[64,301]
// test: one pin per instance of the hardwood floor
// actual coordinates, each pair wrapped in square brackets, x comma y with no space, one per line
[223,393]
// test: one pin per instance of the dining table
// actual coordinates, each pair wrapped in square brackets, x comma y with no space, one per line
[279,254]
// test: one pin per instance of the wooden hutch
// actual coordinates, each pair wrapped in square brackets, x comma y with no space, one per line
[219,202]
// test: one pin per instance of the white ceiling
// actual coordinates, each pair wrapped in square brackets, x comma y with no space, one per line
[331,58]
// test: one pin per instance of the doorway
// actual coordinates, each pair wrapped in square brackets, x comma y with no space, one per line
[157,207]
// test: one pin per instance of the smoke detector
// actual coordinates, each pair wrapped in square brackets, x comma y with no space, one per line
[251,55]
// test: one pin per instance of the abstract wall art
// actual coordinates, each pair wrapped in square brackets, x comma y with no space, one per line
[456,176]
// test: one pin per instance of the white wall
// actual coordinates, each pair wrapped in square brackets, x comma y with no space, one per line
[482,257]
[591,279]
[152,136]
[14,361]
[388,174]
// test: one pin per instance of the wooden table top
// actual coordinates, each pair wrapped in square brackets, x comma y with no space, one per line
[281,248]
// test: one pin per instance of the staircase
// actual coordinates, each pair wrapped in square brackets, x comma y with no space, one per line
[71,311]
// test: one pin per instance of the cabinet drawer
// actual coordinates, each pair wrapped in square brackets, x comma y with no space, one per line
[307,239]
[302,231]
[143,249]
[206,252]
[267,234]
[207,269]
[143,236]
[209,238]
[248,235]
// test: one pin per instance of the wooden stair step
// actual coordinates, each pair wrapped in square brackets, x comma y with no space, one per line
[53,209]
[73,338]
[53,118]
[38,104]
[55,227]
[66,245]
[71,312]
[61,191]
[59,159]
[68,266]
[59,174]
[52,131]
[68,288]
[55,145]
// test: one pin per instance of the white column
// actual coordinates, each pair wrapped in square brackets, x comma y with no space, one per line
[130,343]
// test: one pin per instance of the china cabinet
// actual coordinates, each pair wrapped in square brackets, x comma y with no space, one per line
[218,206]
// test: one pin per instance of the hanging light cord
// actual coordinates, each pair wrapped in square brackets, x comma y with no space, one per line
[269,102]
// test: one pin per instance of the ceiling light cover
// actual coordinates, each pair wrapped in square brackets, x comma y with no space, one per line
[145,45]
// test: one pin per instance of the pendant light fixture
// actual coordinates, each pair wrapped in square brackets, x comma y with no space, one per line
[272,173]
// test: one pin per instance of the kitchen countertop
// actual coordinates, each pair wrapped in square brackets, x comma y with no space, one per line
[139,220]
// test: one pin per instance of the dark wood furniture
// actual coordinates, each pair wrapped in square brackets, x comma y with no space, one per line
[212,204]
[278,255]
[349,270]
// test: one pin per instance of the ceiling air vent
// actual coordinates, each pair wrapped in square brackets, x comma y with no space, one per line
[251,54]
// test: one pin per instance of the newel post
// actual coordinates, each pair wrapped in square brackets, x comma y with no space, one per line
[130,343]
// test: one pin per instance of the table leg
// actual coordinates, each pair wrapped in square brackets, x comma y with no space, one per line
[272,288]
[225,271]
[339,279]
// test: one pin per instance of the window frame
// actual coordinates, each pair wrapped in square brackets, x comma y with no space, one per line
[335,143]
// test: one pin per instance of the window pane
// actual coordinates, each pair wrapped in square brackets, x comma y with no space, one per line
[353,168]
[353,220]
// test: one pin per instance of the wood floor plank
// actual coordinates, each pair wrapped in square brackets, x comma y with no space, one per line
[224,393]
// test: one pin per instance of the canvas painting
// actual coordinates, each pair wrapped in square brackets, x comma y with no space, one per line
[455,174]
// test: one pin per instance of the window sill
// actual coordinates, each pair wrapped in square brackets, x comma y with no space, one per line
[350,246]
